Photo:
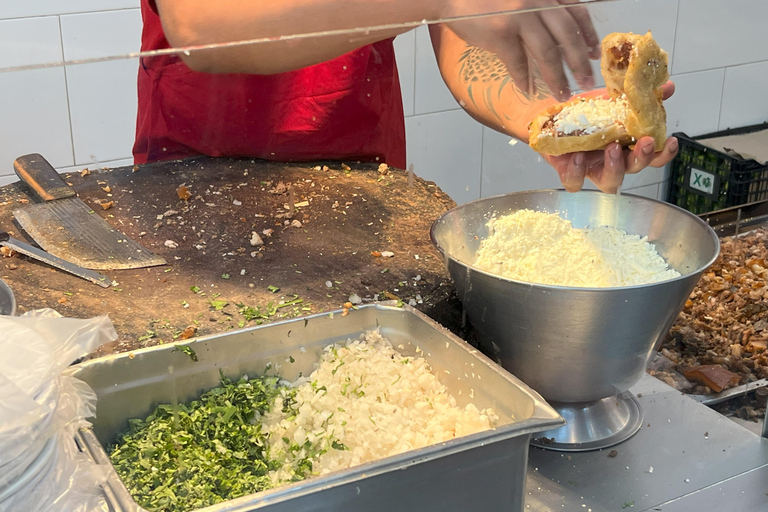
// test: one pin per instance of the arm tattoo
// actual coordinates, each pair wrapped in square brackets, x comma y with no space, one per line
[486,76]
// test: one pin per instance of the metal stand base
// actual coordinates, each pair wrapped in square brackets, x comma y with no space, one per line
[593,425]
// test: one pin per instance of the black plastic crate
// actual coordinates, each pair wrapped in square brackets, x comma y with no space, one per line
[703,179]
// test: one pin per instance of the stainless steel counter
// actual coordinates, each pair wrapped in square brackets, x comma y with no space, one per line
[686,457]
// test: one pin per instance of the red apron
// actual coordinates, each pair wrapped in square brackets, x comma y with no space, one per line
[348,108]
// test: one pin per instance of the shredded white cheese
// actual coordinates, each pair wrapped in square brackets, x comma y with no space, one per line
[590,115]
[363,402]
[543,248]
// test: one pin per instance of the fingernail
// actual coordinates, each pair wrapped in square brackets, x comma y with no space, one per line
[563,95]
[587,82]
[615,152]
[673,146]
[647,149]
[578,160]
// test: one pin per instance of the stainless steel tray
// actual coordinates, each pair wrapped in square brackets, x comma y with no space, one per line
[484,471]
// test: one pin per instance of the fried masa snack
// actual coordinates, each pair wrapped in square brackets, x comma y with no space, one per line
[634,68]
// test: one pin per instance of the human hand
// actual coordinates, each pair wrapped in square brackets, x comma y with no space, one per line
[606,169]
[548,36]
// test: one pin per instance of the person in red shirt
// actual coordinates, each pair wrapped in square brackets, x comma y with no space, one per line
[338,97]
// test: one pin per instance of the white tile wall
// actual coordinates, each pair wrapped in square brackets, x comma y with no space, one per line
[73,115]
[7,180]
[648,176]
[720,33]
[509,168]
[405,50]
[744,95]
[101,34]
[102,100]
[33,107]
[431,93]
[29,8]
[638,16]
[111,164]
[102,96]
[695,107]
[446,147]
[650,191]
[30,41]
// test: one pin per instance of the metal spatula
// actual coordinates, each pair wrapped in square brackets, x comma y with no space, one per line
[66,227]
[34,252]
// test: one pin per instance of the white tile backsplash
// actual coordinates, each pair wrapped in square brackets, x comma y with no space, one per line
[101,34]
[638,16]
[405,53]
[509,168]
[30,41]
[694,109]
[28,8]
[650,191]
[446,148]
[744,96]
[647,176]
[664,185]
[719,33]
[33,106]
[432,95]
[102,98]
[112,164]
[658,16]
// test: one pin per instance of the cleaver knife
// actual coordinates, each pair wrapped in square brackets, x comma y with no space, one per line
[66,227]
[34,252]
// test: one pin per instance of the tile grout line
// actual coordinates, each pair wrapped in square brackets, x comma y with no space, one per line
[66,91]
[73,168]
[74,13]
[674,37]
[722,96]
[413,89]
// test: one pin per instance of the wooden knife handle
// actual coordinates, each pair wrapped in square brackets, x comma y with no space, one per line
[35,171]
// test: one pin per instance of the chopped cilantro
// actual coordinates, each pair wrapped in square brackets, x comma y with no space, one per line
[186,349]
[338,446]
[218,305]
[190,456]
[150,334]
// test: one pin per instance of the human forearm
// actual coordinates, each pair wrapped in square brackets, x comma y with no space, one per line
[481,84]
[201,22]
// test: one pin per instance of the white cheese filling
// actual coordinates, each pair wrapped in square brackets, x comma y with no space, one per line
[590,115]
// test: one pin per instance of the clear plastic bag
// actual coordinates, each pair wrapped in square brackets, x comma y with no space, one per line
[41,466]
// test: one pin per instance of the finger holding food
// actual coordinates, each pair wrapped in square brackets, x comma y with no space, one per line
[635,69]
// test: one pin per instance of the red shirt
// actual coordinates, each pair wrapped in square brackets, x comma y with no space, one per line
[348,108]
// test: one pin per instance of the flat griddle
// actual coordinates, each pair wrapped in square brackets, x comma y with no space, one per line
[323,249]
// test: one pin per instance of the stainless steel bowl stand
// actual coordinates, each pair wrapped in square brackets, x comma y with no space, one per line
[582,349]
[593,425]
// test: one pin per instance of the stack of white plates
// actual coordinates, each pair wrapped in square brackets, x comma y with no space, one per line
[29,397]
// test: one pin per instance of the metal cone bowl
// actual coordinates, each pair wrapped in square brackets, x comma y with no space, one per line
[580,348]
